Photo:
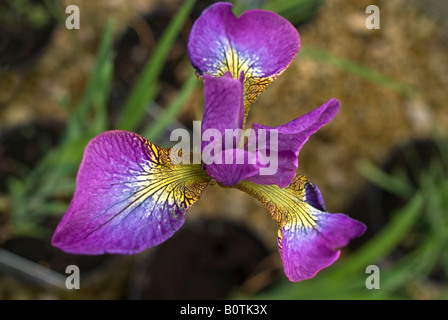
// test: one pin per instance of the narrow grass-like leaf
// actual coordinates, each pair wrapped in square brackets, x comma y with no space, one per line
[146,87]
[100,119]
[77,121]
[385,241]
[358,70]
[295,11]
[154,132]
[385,181]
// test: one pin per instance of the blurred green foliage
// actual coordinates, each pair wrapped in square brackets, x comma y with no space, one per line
[28,12]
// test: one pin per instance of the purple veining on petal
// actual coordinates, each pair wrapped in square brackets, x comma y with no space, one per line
[305,251]
[260,42]
[309,238]
[235,166]
[290,139]
[125,198]
[287,164]
[223,104]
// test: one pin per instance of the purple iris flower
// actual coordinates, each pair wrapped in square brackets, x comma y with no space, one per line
[131,195]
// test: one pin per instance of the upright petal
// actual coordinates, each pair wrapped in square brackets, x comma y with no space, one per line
[129,196]
[309,238]
[288,140]
[223,104]
[260,43]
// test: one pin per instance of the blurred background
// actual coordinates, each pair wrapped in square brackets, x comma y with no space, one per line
[382,160]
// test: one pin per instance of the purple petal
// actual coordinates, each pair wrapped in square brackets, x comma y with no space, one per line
[259,43]
[223,105]
[234,166]
[305,250]
[285,165]
[293,135]
[129,196]
[290,139]
[309,238]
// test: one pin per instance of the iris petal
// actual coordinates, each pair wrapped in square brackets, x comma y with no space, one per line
[290,139]
[282,173]
[129,196]
[234,166]
[309,237]
[259,43]
[223,105]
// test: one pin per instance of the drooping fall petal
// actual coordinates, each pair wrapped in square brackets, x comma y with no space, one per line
[129,196]
[309,237]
